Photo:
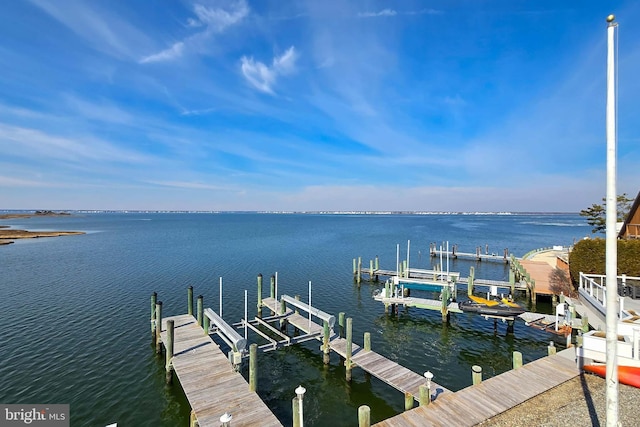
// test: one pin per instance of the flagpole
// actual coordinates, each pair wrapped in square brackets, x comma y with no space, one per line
[611,235]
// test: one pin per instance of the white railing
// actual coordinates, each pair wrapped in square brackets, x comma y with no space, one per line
[594,286]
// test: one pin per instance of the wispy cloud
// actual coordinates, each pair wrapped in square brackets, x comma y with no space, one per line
[383,12]
[191,185]
[33,143]
[173,52]
[219,19]
[263,77]
[100,28]
[393,12]
[211,20]
[8,181]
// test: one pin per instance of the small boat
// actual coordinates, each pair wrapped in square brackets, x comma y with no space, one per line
[629,375]
[491,307]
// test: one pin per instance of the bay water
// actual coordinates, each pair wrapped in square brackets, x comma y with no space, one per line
[75,309]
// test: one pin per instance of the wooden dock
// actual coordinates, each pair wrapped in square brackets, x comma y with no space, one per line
[415,274]
[211,385]
[388,371]
[478,403]
[478,255]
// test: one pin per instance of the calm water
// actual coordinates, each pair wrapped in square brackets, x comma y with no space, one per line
[76,330]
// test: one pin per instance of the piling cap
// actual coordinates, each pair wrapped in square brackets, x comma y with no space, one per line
[226,417]
[428,375]
[611,18]
[300,391]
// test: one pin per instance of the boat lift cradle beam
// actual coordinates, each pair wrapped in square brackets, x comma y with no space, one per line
[226,331]
[309,309]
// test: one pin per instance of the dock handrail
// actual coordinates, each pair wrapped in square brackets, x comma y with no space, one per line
[226,331]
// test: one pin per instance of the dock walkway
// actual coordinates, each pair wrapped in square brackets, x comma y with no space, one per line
[211,385]
[388,371]
[475,404]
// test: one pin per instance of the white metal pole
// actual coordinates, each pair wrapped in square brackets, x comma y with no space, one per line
[220,292]
[398,259]
[447,261]
[408,248]
[309,306]
[611,235]
[275,304]
[245,314]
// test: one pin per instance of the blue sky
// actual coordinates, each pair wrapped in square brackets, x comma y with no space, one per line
[313,105]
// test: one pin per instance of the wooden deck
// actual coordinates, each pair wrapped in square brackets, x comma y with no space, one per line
[209,381]
[475,404]
[539,271]
[388,371]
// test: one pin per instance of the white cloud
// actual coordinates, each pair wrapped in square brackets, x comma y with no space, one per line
[98,27]
[173,52]
[212,20]
[31,143]
[190,185]
[383,12]
[392,12]
[219,19]
[8,181]
[263,77]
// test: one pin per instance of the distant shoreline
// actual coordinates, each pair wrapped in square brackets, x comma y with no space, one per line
[284,212]
[7,235]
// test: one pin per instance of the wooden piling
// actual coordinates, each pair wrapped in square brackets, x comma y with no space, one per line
[445,304]
[295,404]
[425,395]
[585,324]
[517,360]
[367,341]
[408,401]
[253,367]
[371,270]
[359,276]
[200,308]
[377,262]
[272,291]
[476,374]
[364,416]
[205,325]
[158,327]
[193,421]
[355,267]
[190,300]
[472,273]
[259,292]
[326,350]
[154,300]
[341,324]
[533,292]
[169,352]
[551,349]
[347,362]
[283,310]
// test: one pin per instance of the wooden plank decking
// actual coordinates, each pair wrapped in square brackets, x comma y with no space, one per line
[539,271]
[388,371]
[475,404]
[208,380]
